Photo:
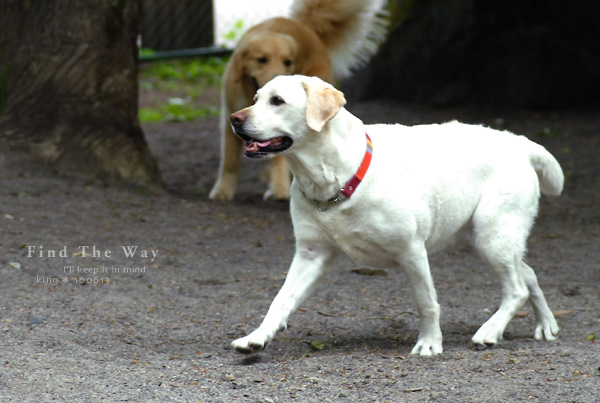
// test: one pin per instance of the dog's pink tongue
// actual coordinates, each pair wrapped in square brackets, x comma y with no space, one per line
[255,145]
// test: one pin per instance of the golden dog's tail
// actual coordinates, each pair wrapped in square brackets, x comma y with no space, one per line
[351,29]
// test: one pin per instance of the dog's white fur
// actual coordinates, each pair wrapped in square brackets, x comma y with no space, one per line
[426,185]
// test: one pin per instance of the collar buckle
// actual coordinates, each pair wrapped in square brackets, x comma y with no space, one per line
[325,205]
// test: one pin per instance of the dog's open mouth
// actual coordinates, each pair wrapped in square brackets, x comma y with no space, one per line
[259,149]
[254,148]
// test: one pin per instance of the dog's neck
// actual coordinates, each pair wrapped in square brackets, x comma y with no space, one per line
[323,167]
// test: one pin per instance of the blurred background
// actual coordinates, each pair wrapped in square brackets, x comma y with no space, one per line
[65,61]
[185,24]
[512,53]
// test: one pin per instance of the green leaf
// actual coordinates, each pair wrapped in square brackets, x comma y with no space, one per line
[317,345]
[150,115]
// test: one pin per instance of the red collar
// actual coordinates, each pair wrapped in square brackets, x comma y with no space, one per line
[362,170]
[350,186]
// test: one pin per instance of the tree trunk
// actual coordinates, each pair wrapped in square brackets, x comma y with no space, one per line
[68,87]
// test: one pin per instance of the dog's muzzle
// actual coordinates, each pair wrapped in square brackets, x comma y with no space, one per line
[254,148]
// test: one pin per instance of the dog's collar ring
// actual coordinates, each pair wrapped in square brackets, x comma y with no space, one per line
[325,205]
[351,185]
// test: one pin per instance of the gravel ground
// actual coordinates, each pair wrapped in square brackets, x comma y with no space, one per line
[97,324]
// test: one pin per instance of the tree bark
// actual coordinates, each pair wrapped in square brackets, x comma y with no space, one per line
[68,87]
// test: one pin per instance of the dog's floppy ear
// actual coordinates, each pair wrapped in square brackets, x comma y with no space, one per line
[323,103]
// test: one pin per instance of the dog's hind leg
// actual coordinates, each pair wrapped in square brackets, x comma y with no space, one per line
[500,239]
[307,267]
[514,295]
[546,326]
[416,265]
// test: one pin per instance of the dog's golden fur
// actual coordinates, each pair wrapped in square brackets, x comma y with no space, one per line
[325,39]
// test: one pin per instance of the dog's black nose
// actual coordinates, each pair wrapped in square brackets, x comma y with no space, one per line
[237,119]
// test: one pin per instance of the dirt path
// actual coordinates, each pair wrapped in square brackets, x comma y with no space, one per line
[160,329]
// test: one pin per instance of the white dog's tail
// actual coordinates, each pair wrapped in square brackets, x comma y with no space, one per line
[351,29]
[548,170]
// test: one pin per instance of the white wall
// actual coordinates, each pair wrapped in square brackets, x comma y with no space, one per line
[251,12]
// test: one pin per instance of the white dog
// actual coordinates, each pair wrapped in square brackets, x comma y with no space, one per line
[407,192]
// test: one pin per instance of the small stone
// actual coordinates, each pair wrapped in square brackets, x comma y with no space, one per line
[34,320]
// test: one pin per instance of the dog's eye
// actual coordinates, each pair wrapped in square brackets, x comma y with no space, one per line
[262,60]
[276,101]
[287,63]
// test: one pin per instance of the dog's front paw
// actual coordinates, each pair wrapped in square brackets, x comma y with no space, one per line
[428,346]
[221,194]
[252,343]
[488,334]
[224,188]
[277,194]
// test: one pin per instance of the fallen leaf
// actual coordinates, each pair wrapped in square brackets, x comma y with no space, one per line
[317,345]
[564,312]
[410,390]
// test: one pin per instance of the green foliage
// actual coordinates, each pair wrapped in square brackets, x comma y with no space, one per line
[150,115]
[175,110]
[547,132]
[203,71]
[147,52]
[235,32]
[400,10]
[175,89]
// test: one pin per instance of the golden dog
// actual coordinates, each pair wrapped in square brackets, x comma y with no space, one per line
[326,39]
